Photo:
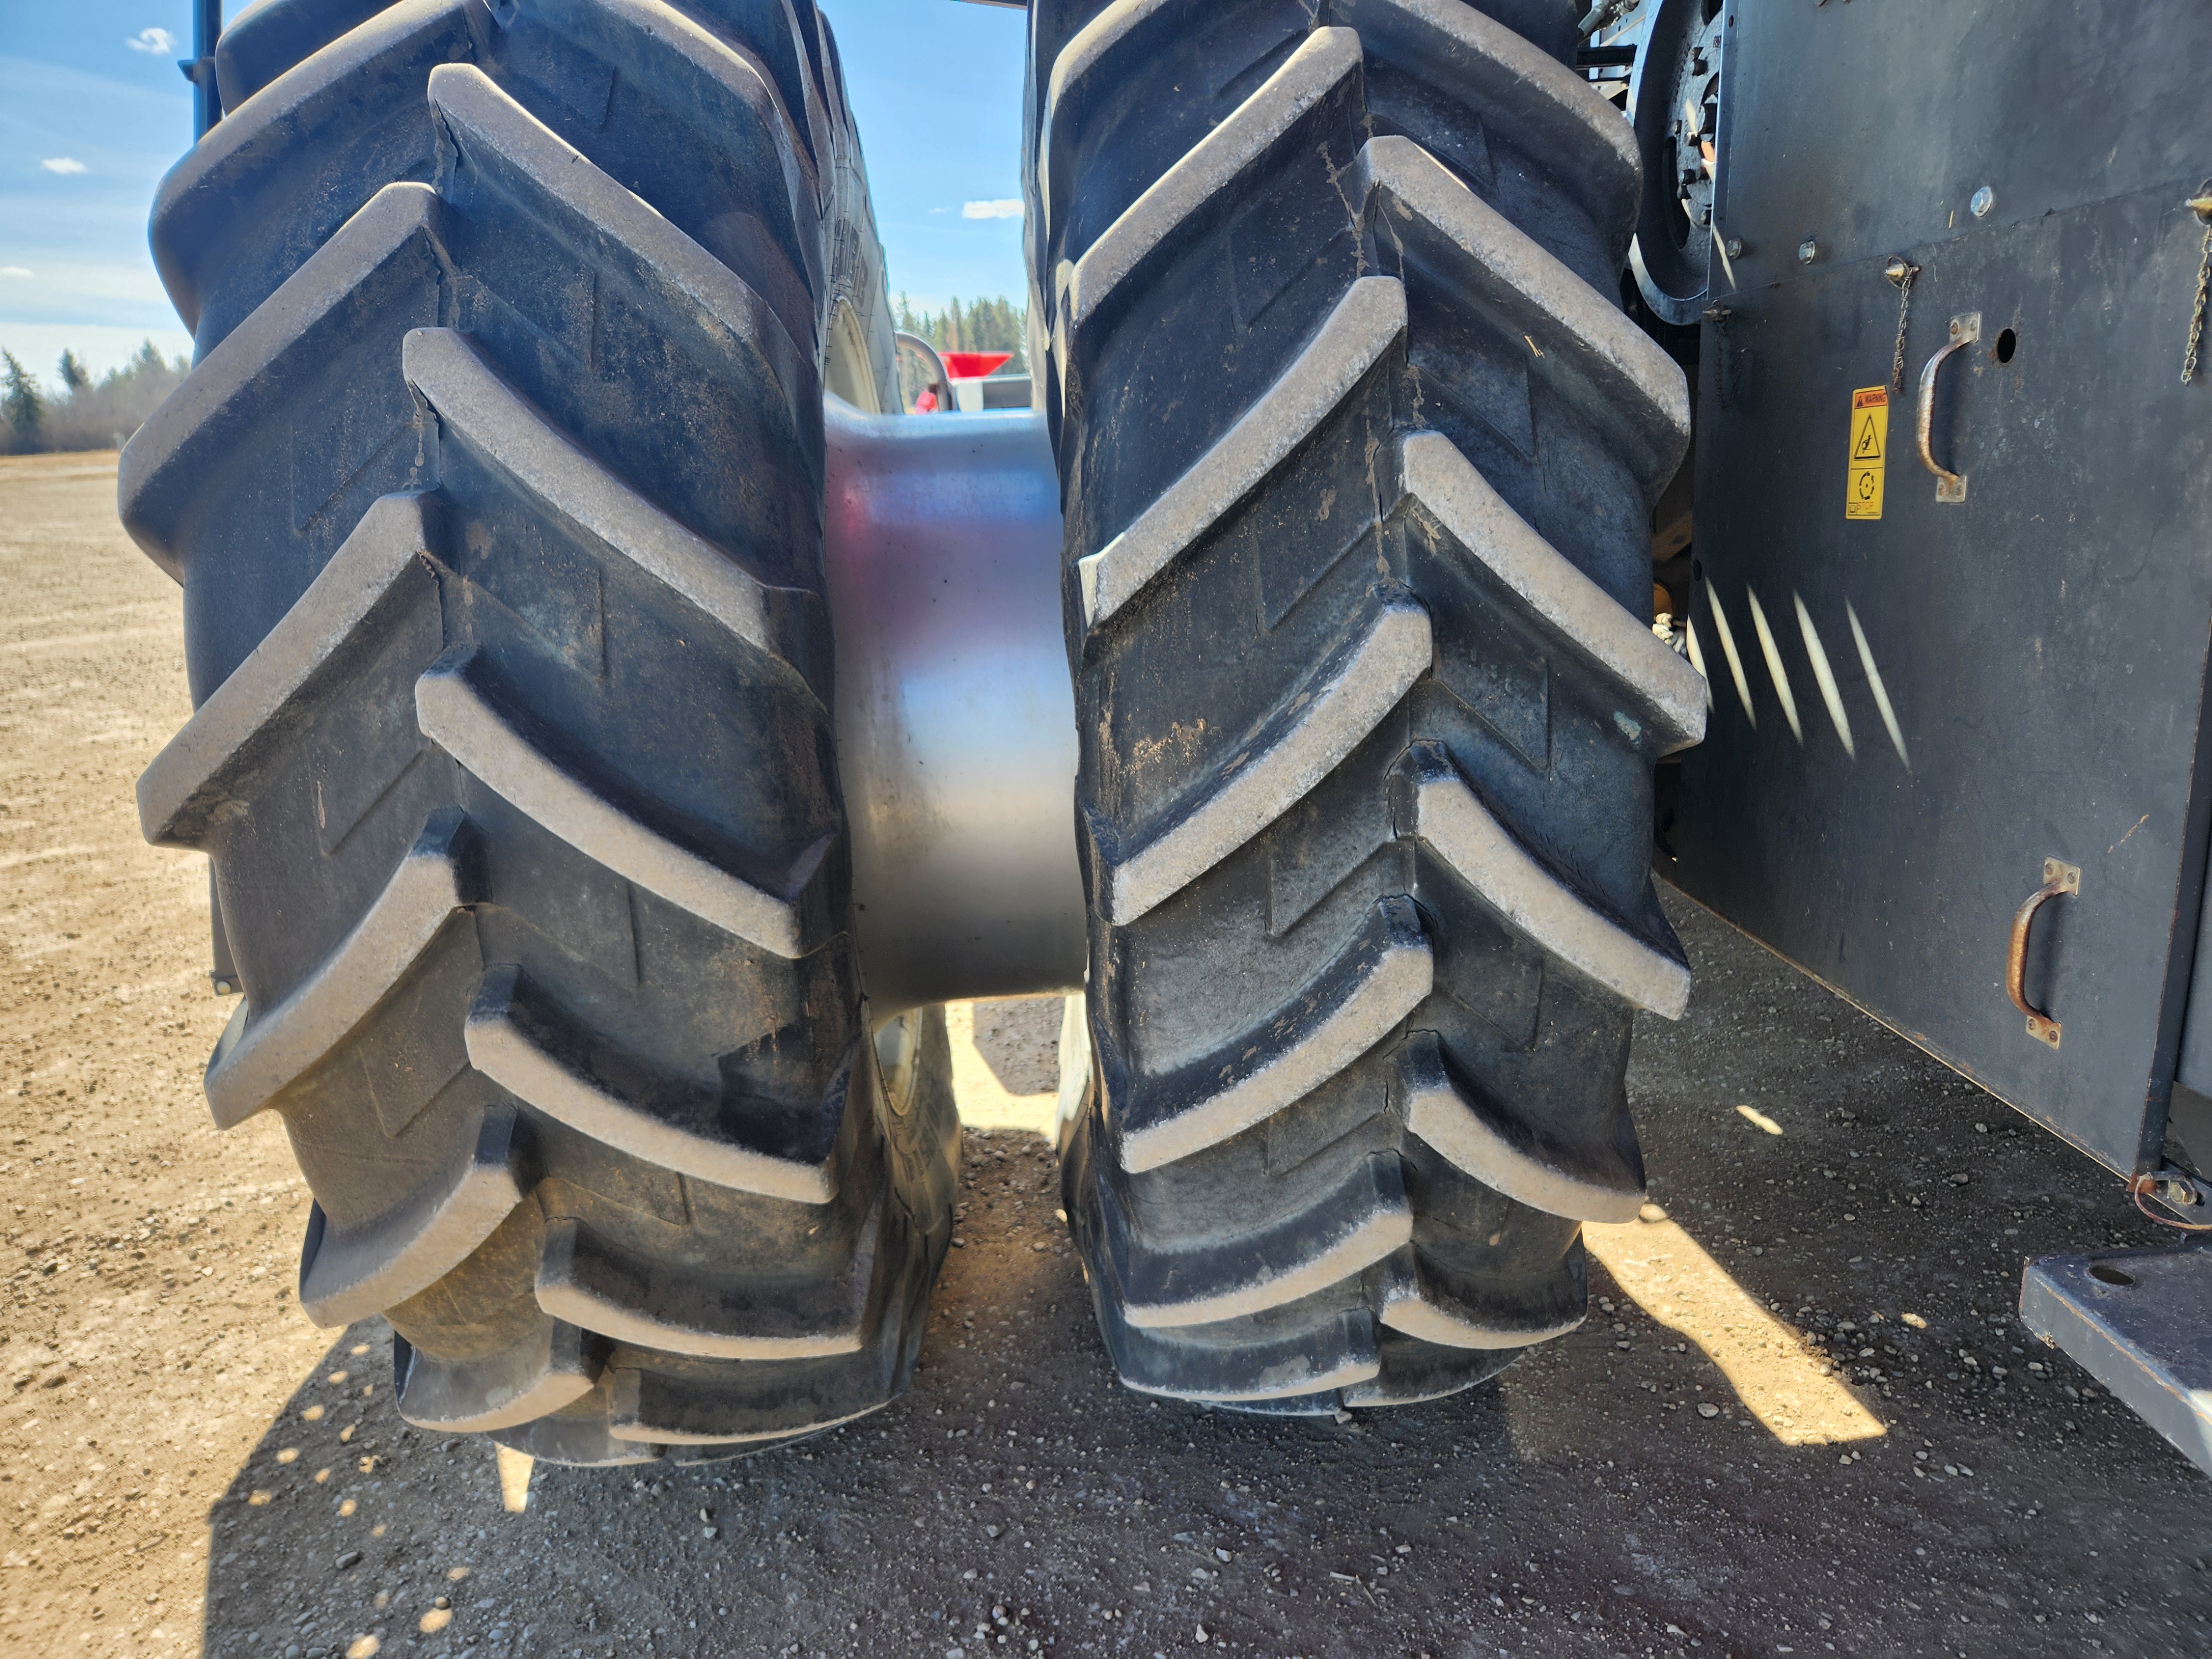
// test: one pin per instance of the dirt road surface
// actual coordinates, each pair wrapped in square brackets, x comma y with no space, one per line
[1800,1420]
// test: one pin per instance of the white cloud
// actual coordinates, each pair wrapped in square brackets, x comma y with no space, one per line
[160,42]
[17,270]
[62,164]
[999,209]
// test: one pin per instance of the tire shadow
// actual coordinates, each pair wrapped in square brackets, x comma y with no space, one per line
[1015,1486]
[1018,1038]
[344,1525]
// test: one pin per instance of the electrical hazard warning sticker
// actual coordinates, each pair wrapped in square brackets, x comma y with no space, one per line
[1869,451]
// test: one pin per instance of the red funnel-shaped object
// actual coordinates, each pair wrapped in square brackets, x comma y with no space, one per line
[972,365]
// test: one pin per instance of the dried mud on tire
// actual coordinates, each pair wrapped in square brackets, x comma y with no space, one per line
[1357,451]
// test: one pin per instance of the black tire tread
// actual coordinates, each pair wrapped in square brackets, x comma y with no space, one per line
[1367,697]
[502,457]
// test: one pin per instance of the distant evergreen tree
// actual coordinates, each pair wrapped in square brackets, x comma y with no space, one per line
[23,404]
[86,413]
[146,362]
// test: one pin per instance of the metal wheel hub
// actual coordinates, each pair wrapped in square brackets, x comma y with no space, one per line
[1674,101]
[1695,119]
[956,714]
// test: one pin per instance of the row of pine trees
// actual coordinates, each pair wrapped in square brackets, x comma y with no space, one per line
[81,413]
[997,325]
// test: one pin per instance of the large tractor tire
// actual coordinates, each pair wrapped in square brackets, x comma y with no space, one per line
[496,495]
[1357,456]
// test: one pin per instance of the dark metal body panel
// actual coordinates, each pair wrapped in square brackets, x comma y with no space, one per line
[2042,644]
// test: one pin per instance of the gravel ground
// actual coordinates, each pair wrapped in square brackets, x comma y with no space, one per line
[1802,1418]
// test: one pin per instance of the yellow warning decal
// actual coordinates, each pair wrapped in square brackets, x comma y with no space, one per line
[1869,451]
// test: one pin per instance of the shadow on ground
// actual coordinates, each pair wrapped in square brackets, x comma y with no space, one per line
[1017,1500]
[1018,1038]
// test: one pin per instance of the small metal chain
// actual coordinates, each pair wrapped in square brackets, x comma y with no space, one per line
[1901,272]
[1718,317]
[2201,205]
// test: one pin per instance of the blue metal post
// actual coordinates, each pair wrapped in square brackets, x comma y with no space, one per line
[199,68]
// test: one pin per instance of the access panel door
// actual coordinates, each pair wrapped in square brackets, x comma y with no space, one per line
[1922,689]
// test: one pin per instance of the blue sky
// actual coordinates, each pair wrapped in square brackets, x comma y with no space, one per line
[93,112]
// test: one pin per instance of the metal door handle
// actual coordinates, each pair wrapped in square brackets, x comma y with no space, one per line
[2057,878]
[1950,487]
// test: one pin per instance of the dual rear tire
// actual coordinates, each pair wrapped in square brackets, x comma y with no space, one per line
[496,494]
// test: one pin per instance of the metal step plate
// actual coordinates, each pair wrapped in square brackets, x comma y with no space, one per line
[2140,1321]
